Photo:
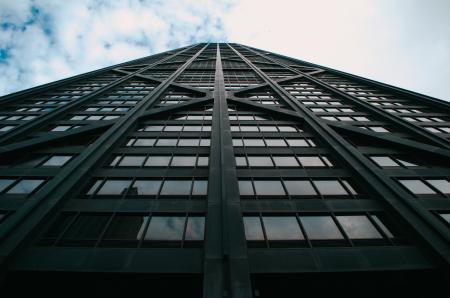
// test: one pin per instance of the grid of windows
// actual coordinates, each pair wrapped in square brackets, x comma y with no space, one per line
[141,230]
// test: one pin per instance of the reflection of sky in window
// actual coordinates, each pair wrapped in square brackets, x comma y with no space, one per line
[165,228]
[320,228]
[176,187]
[195,228]
[358,227]
[253,229]
[57,161]
[25,186]
[114,187]
[282,228]
[146,187]
[4,183]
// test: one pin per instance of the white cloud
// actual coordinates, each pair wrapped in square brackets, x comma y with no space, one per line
[404,43]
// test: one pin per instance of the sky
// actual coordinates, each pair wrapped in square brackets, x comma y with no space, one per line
[405,43]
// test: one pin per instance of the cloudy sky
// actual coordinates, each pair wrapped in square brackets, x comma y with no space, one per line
[404,42]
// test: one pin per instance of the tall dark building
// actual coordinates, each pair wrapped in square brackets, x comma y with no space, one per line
[220,170]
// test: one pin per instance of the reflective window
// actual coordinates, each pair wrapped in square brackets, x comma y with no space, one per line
[320,228]
[57,161]
[114,187]
[165,228]
[4,183]
[384,161]
[440,184]
[260,161]
[157,161]
[417,187]
[282,228]
[299,188]
[285,161]
[269,188]
[86,227]
[126,227]
[245,188]
[195,228]
[330,187]
[176,187]
[132,161]
[253,229]
[200,188]
[145,187]
[358,227]
[26,186]
[183,161]
[311,161]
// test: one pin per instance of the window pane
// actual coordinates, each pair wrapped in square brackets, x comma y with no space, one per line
[245,188]
[282,228]
[114,187]
[144,142]
[4,183]
[203,161]
[183,161]
[329,187]
[157,161]
[299,188]
[132,161]
[384,161]
[176,187]
[253,229]
[297,143]
[311,161]
[358,227]
[382,226]
[165,228]
[189,142]
[241,161]
[57,161]
[285,161]
[166,142]
[320,228]
[25,186]
[127,227]
[200,188]
[275,143]
[254,142]
[87,227]
[441,184]
[145,187]
[269,188]
[260,161]
[417,187]
[195,228]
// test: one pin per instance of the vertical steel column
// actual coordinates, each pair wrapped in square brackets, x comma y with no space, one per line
[224,202]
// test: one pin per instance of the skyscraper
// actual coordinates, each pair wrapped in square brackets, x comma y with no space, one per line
[221,170]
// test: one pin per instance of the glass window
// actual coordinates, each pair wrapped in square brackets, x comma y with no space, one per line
[238,143]
[259,161]
[183,161]
[176,187]
[188,142]
[126,227]
[297,143]
[384,161]
[269,188]
[114,187]
[381,225]
[285,161]
[245,188]
[441,185]
[203,161]
[145,187]
[195,228]
[320,228]
[25,186]
[417,187]
[311,161]
[282,228]
[254,143]
[330,187]
[4,183]
[358,227]
[144,142]
[87,227]
[241,161]
[200,188]
[57,161]
[275,143]
[166,142]
[132,161]
[168,228]
[445,216]
[157,161]
[253,229]
[299,188]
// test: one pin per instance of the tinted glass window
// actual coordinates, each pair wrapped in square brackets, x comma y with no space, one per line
[282,228]
[165,228]
[145,187]
[299,188]
[195,228]
[320,228]
[132,161]
[417,187]
[253,229]
[311,161]
[4,183]
[183,161]
[166,142]
[269,188]
[57,161]
[157,161]
[200,188]
[25,186]
[176,187]
[114,187]
[384,161]
[87,227]
[245,188]
[441,184]
[144,142]
[275,143]
[260,161]
[330,187]
[127,227]
[358,227]
[285,161]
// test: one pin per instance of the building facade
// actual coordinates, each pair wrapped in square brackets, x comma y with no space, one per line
[221,170]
